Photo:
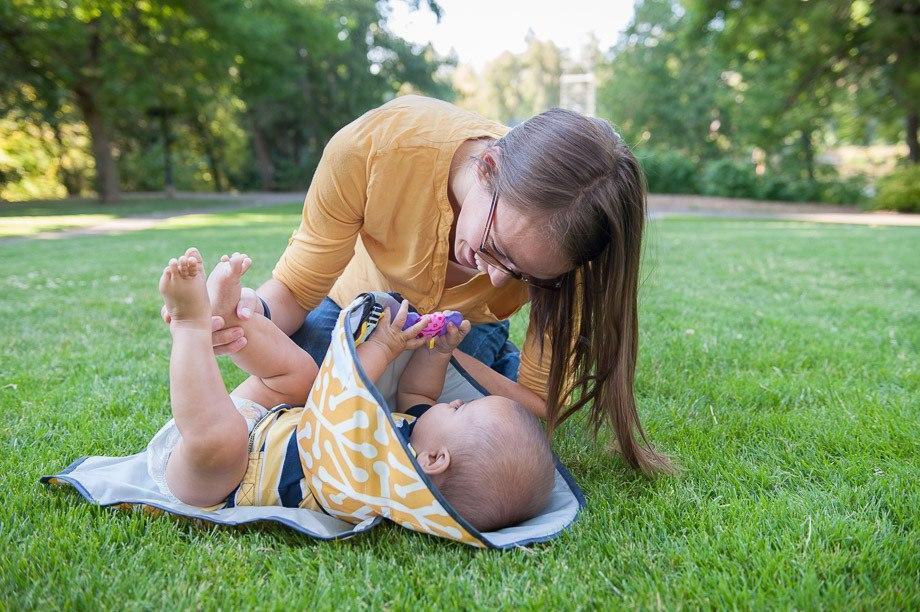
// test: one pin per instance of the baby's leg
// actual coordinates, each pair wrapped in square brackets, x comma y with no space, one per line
[282,372]
[212,456]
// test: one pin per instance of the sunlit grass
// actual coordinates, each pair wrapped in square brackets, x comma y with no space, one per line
[33,217]
[28,226]
[778,366]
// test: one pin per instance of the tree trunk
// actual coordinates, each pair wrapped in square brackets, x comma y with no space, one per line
[913,147]
[169,185]
[808,153]
[107,183]
[263,157]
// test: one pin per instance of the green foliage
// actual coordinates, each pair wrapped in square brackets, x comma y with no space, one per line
[514,86]
[729,178]
[673,172]
[661,91]
[279,75]
[717,79]
[850,190]
[900,190]
[668,171]
[40,161]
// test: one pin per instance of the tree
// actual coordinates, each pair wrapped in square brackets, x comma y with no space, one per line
[146,75]
[821,49]
[663,90]
[113,59]
[514,87]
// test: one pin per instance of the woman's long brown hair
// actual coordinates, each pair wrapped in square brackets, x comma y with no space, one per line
[576,175]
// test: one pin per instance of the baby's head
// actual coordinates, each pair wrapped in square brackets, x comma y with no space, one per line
[488,457]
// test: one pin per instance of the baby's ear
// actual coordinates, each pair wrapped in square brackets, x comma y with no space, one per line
[434,462]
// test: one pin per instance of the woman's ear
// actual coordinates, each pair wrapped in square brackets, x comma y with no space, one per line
[434,462]
[489,166]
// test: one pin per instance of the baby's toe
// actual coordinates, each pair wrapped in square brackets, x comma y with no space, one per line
[183,266]
[236,264]
[194,253]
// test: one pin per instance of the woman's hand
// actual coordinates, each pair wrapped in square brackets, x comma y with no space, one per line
[390,336]
[229,340]
[448,342]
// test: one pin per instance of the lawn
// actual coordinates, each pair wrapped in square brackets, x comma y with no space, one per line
[778,366]
[32,217]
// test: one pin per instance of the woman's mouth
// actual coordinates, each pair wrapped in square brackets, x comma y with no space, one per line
[469,258]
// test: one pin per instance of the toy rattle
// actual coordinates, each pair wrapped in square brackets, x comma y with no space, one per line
[437,323]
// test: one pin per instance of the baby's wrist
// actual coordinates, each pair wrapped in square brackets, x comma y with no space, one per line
[446,352]
[386,350]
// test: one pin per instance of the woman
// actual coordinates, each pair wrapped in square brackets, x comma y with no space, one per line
[457,212]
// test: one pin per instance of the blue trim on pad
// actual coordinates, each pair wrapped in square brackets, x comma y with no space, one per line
[214,516]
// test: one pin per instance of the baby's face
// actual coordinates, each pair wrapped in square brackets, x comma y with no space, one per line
[443,423]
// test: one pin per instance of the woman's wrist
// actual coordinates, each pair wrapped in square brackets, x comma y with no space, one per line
[266,311]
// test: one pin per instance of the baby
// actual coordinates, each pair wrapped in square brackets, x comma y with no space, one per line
[488,457]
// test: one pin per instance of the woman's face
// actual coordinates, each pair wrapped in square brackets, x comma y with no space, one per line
[521,242]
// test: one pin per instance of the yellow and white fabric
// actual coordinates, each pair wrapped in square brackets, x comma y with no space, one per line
[358,469]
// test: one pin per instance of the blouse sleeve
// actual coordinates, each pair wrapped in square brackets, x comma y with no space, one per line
[333,213]
[534,371]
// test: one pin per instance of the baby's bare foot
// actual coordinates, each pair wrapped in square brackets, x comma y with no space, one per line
[224,285]
[184,291]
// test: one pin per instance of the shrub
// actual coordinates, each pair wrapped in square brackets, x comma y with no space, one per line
[773,187]
[850,190]
[668,172]
[730,178]
[803,190]
[900,190]
[829,189]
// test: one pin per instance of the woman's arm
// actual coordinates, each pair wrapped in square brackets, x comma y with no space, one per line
[286,313]
[496,384]
[317,253]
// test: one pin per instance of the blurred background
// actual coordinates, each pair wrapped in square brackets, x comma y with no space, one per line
[784,100]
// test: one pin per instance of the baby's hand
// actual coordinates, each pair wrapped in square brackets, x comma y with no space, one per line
[448,342]
[390,335]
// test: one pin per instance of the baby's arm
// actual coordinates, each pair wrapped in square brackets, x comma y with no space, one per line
[423,379]
[388,341]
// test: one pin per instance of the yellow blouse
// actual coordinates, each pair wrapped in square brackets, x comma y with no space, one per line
[377,218]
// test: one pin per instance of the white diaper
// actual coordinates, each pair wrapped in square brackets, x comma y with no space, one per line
[164,442]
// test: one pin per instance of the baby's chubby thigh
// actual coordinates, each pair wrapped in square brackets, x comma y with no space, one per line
[175,464]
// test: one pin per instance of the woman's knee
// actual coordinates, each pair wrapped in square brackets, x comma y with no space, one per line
[486,341]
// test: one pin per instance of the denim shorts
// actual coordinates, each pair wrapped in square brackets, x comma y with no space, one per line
[487,342]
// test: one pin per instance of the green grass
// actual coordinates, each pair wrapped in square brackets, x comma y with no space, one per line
[32,217]
[778,366]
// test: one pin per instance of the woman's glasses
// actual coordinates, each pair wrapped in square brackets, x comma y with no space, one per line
[485,253]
